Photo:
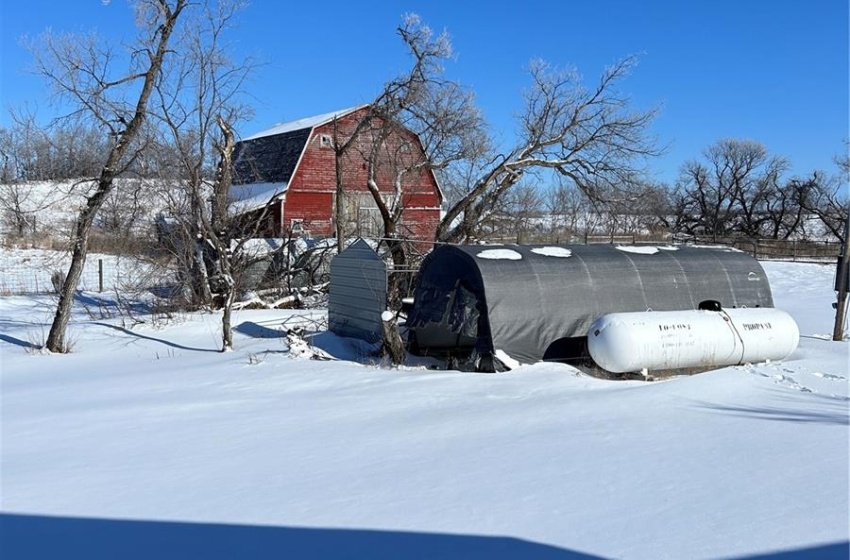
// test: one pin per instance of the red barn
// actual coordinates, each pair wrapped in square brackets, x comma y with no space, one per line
[286,176]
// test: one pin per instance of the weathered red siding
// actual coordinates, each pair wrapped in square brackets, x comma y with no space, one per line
[315,209]
[311,190]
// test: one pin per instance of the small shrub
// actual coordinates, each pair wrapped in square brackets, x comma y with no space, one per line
[36,342]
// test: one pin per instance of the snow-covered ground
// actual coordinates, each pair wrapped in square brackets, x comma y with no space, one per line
[147,443]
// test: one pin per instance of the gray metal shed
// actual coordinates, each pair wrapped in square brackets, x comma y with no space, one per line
[537,302]
[358,293]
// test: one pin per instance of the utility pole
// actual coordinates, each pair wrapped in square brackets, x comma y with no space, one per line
[842,279]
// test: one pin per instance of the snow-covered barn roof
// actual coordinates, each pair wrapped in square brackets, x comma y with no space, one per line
[271,156]
[301,124]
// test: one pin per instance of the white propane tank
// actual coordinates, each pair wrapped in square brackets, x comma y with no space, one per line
[656,340]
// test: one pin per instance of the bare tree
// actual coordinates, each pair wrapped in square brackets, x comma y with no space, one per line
[419,123]
[20,203]
[784,214]
[417,107]
[65,149]
[81,71]
[828,200]
[518,216]
[842,276]
[730,192]
[198,102]
[588,136]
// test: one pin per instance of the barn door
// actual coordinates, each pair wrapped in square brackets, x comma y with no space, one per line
[361,216]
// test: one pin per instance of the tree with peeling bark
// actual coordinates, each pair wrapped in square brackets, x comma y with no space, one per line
[418,106]
[82,72]
[588,136]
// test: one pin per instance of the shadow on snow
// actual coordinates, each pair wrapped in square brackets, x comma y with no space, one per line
[42,537]
[256,330]
[37,537]
[828,410]
[154,339]
[93,304]
[18,342]
[832,551]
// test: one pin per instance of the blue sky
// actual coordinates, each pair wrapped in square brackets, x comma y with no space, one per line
[775,71]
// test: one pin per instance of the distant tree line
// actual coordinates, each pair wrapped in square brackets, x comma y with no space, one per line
[73,149]
[29,152]
[736,190]
[739,189]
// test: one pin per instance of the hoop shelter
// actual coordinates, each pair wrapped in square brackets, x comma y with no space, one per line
[488,304]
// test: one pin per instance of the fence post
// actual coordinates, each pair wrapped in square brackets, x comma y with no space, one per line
[100,275]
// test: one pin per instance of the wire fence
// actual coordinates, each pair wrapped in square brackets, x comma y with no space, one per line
[777,249]
[34,271]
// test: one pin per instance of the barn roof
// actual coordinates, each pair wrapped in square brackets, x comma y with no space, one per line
[301,124]
[271,156]
[522,299]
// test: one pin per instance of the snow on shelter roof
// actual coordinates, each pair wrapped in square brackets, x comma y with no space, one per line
[525,304]
[300,124]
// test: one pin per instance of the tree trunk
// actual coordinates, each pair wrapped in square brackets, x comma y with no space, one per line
[222,241]
[339,204]
[56,337]
[841,281]
[201,291]
[226,326]
[393,345]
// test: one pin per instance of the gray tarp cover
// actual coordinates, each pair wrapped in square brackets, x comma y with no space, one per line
[523,303]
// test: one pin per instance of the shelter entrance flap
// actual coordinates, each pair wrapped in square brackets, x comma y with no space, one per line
[450,321]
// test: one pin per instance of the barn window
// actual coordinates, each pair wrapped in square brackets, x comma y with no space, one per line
[325,141]
[296,226]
